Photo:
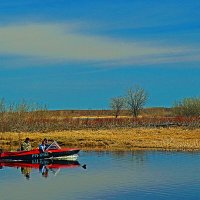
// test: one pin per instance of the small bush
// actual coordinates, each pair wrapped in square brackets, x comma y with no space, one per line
[189,107]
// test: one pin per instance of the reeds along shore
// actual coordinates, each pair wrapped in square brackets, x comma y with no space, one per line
[125,139]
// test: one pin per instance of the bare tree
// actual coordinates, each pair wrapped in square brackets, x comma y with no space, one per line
[135,100]
[117,105]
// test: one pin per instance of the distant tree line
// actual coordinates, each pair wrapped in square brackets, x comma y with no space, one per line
[21,107]
[136,97]
[17,116]
[32,117]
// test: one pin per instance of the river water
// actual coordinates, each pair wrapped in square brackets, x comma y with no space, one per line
[118,175]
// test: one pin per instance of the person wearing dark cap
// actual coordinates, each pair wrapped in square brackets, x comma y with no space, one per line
[26,145]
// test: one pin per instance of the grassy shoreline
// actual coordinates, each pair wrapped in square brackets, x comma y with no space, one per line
[120,139]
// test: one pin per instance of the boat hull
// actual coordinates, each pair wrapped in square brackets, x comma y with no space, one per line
[37,154]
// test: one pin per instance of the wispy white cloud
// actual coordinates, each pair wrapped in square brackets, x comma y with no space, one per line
[63,43]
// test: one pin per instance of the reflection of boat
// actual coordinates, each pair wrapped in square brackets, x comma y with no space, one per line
[54,151]
[51,164]
[44,166]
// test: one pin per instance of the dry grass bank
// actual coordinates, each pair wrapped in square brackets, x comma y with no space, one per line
[113,139]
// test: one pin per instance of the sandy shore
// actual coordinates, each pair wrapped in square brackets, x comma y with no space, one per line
[114,139]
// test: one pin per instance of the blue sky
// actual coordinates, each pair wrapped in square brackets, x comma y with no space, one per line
[79,54]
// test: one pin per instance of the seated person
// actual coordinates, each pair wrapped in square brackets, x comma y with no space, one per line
[44,145]
[26,145]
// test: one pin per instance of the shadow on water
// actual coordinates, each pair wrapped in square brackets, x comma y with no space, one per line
[43,166]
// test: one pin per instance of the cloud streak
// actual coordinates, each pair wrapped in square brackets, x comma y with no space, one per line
[63,43]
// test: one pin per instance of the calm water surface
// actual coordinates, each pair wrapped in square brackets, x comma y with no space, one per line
[129,175]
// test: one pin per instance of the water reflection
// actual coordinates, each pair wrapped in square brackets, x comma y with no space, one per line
[26,171]
[109,175]
[43,166]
